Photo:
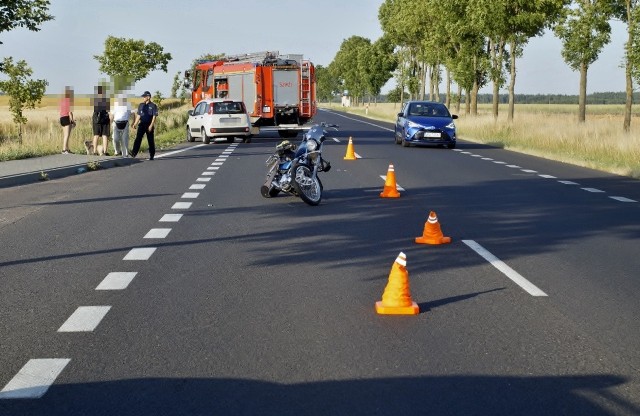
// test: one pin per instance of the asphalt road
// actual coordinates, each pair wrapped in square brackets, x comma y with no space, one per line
[139,291]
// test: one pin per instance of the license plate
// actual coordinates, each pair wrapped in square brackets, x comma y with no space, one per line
[230,120]
[432,135]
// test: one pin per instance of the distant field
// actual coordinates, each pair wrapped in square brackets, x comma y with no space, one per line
[550,131]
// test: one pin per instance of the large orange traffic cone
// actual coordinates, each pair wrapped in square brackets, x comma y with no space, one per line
[351,154]
[396,299]
[390,190]
[432,233]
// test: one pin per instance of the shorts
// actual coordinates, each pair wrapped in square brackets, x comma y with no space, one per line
[65,121]
[101,129]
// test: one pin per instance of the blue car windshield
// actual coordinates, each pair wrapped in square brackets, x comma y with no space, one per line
[428,110]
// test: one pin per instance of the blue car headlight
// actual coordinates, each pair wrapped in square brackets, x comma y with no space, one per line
[412,125]
[451,126]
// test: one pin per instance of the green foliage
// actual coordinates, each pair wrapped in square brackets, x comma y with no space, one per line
[175,85]
[584,31]
[157,98]
[127,61]
[23,13]
[327,85]
[23,92]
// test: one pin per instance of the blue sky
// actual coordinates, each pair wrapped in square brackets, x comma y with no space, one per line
[62,51]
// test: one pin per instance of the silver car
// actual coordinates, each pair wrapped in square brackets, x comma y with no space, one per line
[218,118]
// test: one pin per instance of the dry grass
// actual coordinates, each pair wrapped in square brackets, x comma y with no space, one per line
[42,135]
[550,131]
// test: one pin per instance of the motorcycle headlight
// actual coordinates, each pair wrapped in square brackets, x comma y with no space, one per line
[312,145]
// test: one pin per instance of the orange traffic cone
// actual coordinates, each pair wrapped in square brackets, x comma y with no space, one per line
[432,233]
[390,190]
[396,299]
[351,154]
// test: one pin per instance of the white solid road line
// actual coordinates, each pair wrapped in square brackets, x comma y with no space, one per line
[508,271]
[158,156]
[116,281]
[34,378]
[84,319]
[363,122]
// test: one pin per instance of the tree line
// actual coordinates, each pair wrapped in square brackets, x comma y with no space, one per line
[470,44]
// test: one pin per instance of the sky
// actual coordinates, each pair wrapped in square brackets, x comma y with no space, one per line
[62,51]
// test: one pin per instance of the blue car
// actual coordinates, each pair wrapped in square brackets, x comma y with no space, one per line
[425,123]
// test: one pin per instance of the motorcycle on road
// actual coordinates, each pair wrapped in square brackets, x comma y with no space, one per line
[294,169]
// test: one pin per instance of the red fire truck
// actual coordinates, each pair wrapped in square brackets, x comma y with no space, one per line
[279,91]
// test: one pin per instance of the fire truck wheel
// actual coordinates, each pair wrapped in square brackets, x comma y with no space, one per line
[189,136]
[230,139]
[205,139]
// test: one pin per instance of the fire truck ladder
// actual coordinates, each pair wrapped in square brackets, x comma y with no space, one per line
[305,89]
[253,57]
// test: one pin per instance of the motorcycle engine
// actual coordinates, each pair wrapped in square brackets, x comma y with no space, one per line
[285,182]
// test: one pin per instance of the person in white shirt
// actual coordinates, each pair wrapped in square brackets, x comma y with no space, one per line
[121,114]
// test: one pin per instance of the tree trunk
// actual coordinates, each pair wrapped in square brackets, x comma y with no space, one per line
[582,100]
[436,81]
[424,75]
[447,100]
[629,80]
[512,81]
[474,98]
[467,102]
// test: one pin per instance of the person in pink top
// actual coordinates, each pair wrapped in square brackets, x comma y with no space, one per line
[66,118]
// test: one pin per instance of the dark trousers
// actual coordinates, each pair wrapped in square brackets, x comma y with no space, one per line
[142,130]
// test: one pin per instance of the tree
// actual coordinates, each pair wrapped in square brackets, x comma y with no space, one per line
[175,85]
[127,61]
[629,12]
[584,31]
[23,13]
[22,91]
[348,67]
[327,86]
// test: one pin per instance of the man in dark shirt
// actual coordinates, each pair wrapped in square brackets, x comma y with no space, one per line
[145,121]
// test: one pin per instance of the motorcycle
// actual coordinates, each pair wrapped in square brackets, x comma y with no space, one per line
[294,169]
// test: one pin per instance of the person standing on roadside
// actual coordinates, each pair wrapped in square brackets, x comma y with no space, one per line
[121,113]
[145,122]
[66,118]
[101,121]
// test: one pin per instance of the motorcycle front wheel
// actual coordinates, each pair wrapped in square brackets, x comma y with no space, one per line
[306,186]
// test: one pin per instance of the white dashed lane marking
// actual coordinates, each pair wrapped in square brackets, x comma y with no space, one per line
[116,281]
[208,173]
[508,271]
[398,187]
[171,218]
[142,253]
[592,190]
[84,319]
[190,195]
[158,233]
[182,205]
[197,186]
[622,199]
[203,179]
[34,378]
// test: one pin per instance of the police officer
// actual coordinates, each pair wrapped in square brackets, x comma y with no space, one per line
[144,122]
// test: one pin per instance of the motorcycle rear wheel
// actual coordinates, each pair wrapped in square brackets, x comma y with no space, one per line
[306,186]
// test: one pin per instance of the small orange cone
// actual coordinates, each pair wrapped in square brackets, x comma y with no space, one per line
[351,154]
[432,233]
[396,299]
[390,190]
